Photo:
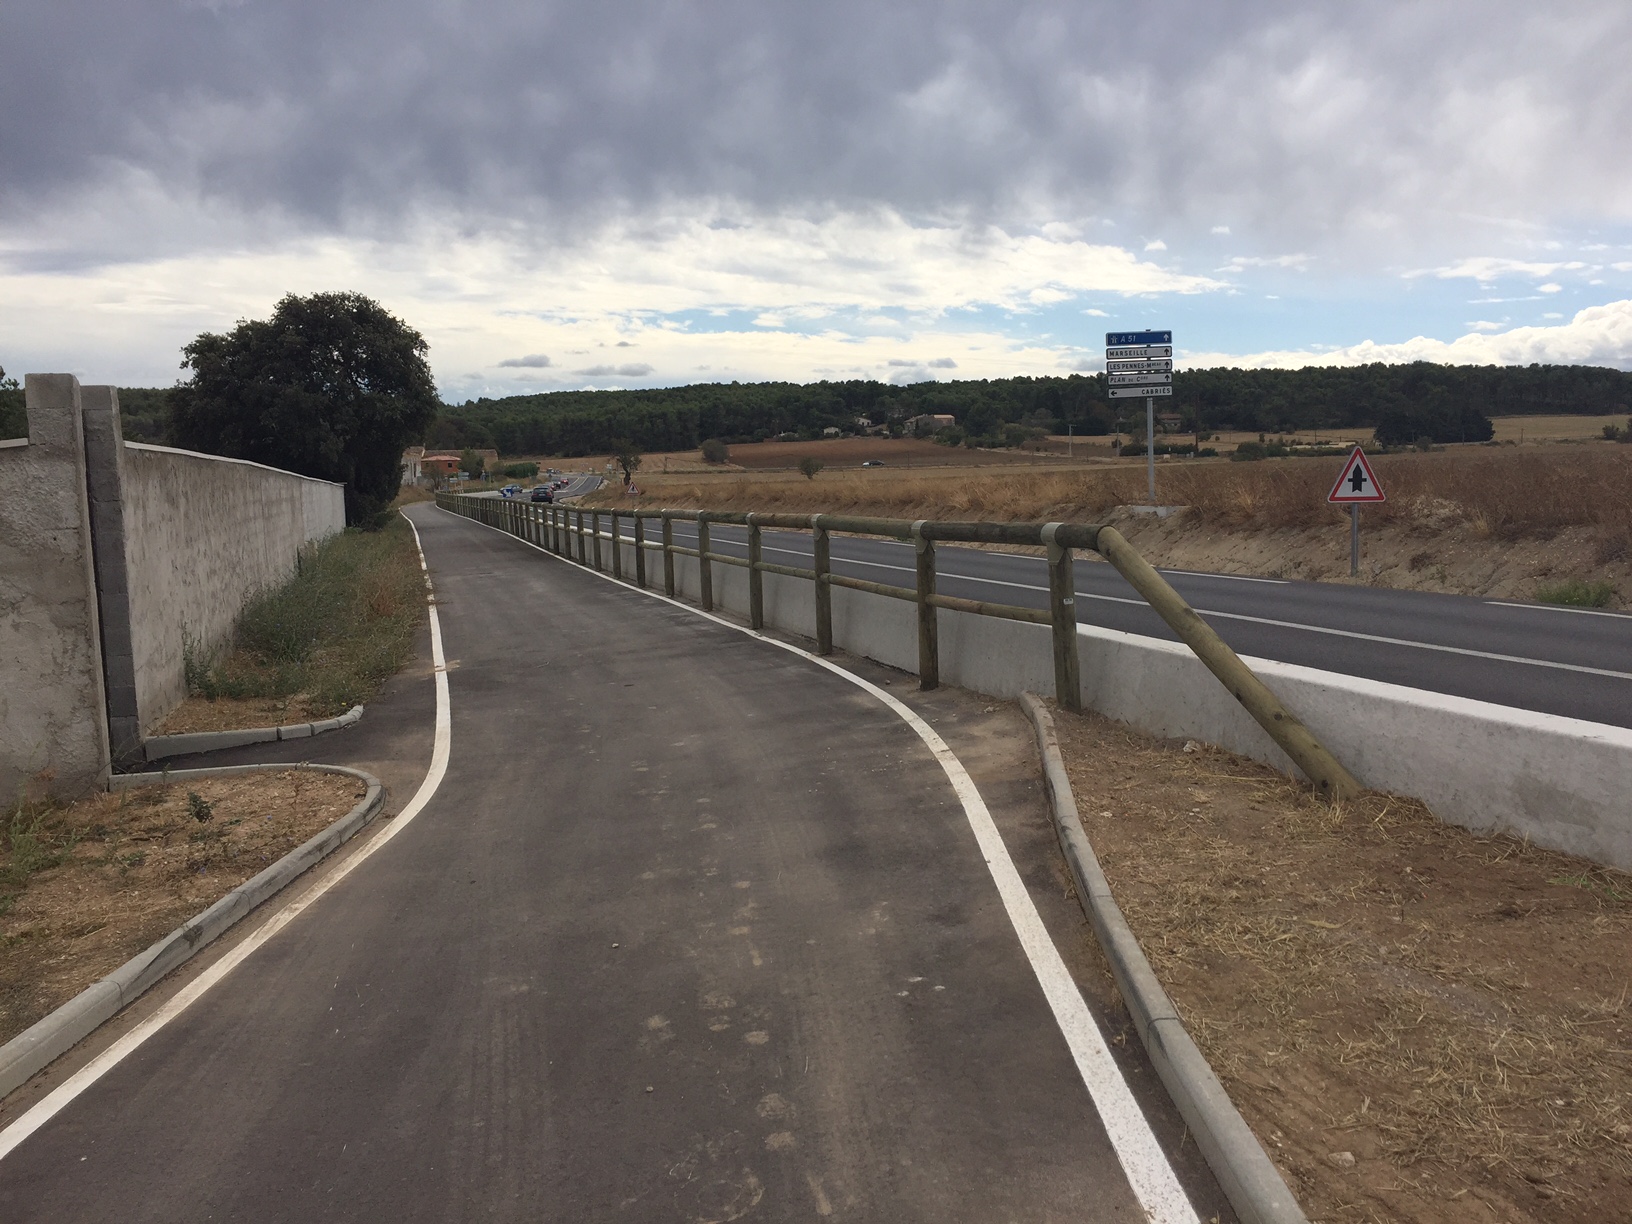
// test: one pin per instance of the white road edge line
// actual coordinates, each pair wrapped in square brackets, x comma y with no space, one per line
[1280,624]
[1502,603]
[51,1104]
[1149,1172]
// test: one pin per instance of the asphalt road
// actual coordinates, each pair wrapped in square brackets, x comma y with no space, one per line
[1555,660]
[693,930]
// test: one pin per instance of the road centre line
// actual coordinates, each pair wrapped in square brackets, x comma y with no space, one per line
[52,1103]
[1278,624]
[1149,1173]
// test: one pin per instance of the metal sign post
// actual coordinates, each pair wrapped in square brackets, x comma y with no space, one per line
[1139,365]
[1356,485]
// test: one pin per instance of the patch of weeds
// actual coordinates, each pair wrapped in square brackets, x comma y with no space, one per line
[31,845]
[1577,593]
[198,808]
[336,631]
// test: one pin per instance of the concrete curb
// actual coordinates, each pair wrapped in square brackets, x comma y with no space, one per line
[161,746]
[36,1047]
[1253,1185]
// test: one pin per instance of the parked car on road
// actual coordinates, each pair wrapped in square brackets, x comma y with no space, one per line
[872,463]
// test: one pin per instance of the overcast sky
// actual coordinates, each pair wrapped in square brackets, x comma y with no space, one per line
[655,192]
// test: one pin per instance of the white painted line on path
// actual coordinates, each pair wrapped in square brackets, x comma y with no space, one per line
[50,1105]
[1146,1166]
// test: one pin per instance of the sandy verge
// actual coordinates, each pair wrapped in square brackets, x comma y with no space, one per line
[135,865]
[1418,1022]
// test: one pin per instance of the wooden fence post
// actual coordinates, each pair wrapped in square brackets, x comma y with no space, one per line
[704,569]
[756,578]
[668,555]
[640,551]
[1062,606]
[929,646]
[824,590]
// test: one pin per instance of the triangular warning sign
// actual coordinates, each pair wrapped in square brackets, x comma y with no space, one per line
[1356,484]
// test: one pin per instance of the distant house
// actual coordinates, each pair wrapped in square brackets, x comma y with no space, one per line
[439,466]
[832,431]
[410,464]
[1169,422]
[930,422]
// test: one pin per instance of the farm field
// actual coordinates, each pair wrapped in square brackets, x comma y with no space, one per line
[1552,428]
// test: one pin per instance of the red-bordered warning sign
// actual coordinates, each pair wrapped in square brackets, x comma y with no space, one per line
[1357,483]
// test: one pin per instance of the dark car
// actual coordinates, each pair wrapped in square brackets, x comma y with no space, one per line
[542,494]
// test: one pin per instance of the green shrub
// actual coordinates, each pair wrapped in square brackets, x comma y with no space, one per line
[519,471]
[1577,593]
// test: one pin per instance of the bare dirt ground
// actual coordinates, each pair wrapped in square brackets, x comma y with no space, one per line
[237,713]
[1419,1022]
[86,887]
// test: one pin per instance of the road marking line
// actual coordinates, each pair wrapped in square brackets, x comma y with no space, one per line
[1498,603]
[1146,1166]
[1281,624]
[52,1103]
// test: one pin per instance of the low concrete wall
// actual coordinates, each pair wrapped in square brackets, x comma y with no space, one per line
[53,728]
[1563,783]
[203,534]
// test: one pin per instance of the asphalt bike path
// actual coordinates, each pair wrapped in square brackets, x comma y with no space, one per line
[692,929]
[1572,662]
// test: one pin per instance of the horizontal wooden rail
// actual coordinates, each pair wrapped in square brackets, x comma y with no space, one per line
[556,527]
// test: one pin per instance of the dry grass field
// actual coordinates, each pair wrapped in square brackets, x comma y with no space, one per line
[1495,521]
[1552,428]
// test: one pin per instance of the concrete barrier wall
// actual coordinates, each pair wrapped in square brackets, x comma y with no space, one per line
[53,732]
[202,535]
[1562,783]
[109,553]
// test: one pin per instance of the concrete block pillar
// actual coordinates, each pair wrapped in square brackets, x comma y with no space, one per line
[105,483]
[53,720]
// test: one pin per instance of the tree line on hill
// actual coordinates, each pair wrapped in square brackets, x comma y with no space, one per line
[1403,403]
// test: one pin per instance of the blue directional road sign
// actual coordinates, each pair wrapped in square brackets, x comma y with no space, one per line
[1144,337]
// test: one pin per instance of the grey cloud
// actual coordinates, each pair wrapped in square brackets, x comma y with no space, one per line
[943,363]
[533,361]
[633,370]
[1299,122]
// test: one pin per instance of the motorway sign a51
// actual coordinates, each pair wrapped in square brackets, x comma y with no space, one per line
[1139,350]
[1137,367]
[1138,392]
[1139,337]
[1137,380]
[1357,484]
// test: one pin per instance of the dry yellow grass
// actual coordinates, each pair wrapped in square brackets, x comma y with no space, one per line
[1503,491]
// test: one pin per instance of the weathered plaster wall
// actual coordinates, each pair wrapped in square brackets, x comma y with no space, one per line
[202,534]
[53,726]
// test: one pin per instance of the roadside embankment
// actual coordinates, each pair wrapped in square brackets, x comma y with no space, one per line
[1497,522]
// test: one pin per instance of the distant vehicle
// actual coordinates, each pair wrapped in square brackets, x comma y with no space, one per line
[560,484]
[872,463]
[510,490]
[542,494]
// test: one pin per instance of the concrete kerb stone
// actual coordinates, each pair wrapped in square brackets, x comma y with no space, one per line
[1248,1178]
[37,1047]
[161,746]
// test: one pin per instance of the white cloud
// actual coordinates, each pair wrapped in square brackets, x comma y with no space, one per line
[1551,287]
[1486,268]
[1598,335]
[1220,229]
[1156,244]
[632,370]
[1482,325]
[1239,262]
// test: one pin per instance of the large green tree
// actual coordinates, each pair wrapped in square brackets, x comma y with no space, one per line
[332,385]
